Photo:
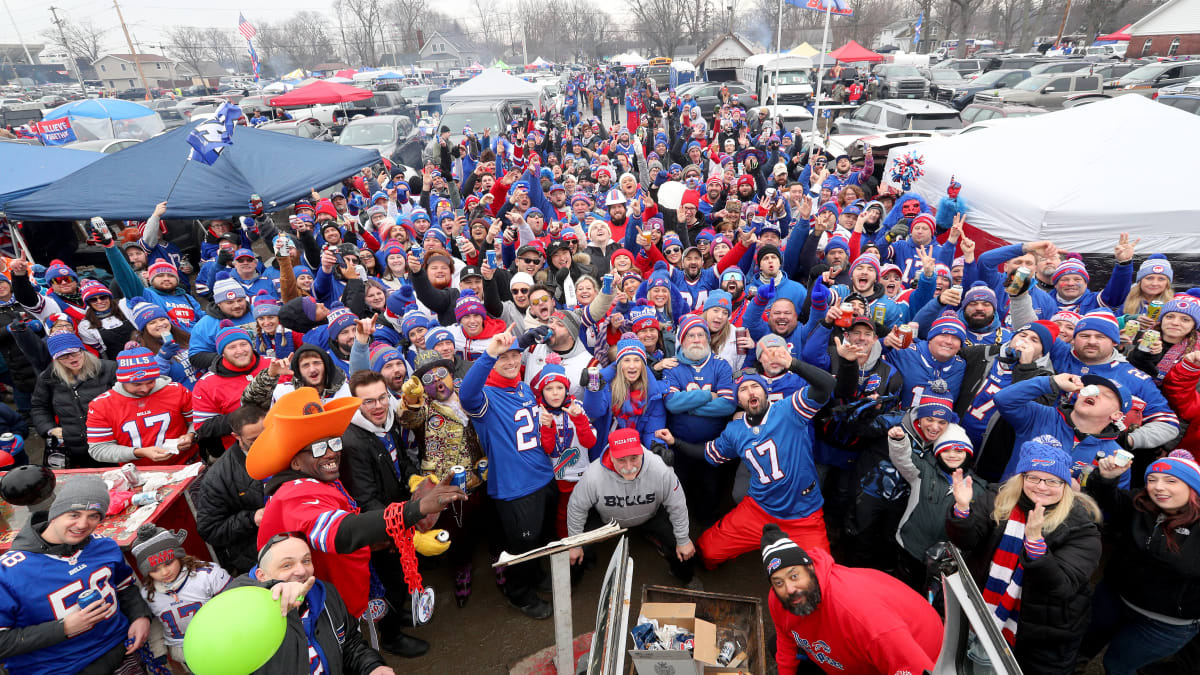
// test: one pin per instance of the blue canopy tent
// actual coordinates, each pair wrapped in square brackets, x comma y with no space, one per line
[127,185]
[98,118]
[39,167]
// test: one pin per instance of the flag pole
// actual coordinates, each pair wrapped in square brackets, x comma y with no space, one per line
[820,75]
[177,177]
[779,54]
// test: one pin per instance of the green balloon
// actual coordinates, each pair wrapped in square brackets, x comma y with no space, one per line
[235,633]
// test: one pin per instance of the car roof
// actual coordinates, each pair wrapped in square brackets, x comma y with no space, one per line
[471,106]
[914,105]
[387,119]
[1011,107]
[290,123]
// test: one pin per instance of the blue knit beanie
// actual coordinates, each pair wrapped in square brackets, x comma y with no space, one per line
[1046,454]
[1155,264]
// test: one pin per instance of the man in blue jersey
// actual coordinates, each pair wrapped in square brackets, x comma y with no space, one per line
[52,561]
[520,475]
[775,441]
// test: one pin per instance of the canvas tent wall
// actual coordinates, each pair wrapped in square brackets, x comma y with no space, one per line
[1077,201]
[494,85]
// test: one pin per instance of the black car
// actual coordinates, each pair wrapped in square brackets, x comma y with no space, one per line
[708,95]
[134,94]
[962,95]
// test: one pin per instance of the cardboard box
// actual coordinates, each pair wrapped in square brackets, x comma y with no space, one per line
[677,662]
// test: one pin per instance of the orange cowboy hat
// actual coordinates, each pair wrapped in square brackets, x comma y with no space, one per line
[295,421]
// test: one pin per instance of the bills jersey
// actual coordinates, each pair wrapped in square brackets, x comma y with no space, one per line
[783,475]
[145,422]
[36,588]
[176,608]
[983,406]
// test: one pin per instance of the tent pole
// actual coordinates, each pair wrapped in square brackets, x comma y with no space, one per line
[820,75]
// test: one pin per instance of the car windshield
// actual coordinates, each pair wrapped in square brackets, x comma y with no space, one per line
[793,77]
[415,94]
[478,121]
[367,134]
[945,75]
[935,122]
[1148,72]
[989,79]
[289,129]
[902,71]
[1034,83]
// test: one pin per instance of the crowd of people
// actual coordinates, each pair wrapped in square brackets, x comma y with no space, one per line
[789,360]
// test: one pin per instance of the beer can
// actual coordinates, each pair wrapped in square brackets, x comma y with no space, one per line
[606,284]
[88,597]
[491,259]
[1154,309]
[879,313]
[1020,276]
[742,332]
[1149,339]
[593,378]
[481,470]
[131,474]
[1130,329]
[458,476]
[418,252]
[726,654]
[906,336]
[957,287]
[145,498]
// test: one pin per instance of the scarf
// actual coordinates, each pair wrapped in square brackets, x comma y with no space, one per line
[1002,593]
[495,379]
[630,412]
[1173,355]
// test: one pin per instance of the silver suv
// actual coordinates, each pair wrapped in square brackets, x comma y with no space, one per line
[900,81]
[1048,90]
[896,114]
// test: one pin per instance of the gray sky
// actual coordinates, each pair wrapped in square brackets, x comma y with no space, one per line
[147,19]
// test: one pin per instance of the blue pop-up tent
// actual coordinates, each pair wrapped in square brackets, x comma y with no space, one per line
[126,185]
[31,167]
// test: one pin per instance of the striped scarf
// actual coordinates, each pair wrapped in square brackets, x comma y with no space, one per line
[1002,594]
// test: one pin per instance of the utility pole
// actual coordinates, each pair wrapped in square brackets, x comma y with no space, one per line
[70,57]
[137,62]
[1062,26]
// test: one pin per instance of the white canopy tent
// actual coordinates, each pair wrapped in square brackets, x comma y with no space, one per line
[493,85]
[629,59]
[1062,176]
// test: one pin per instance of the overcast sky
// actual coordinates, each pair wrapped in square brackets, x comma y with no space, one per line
[147,19]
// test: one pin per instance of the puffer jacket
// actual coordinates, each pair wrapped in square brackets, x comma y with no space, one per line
[225,506]
[57,404]
[924,521]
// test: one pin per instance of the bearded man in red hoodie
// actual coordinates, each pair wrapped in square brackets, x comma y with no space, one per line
[847,620]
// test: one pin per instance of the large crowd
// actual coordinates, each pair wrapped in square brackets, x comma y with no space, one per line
[788,360]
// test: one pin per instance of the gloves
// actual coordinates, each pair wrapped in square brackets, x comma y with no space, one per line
[536,335]
[249,225]
[224,258]
[354,204]
[169,350]
[898,232]
[1125,440]
[412,391]
[663,450]
[821,295]
[766,293]
[586,380]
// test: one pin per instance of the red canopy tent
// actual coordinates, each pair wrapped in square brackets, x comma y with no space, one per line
[321,92]
[347,73]
[1117,36]
[852,52]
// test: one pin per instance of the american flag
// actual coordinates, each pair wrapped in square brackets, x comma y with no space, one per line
[245,28]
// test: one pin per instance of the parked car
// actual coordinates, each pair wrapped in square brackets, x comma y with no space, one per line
[1060,66]
[134,94]
[965,67]
[479,115]
[1192,86]
[433,101]
[416,95]
[708,95]
[302,128]
[897,114]
[1111,72]
[105,145]
[941,79]
[980,112]
[1048,90]
[1150,78]
[52,101]
[394,136]
[900,81]
[253,104]
[963,94]
[1012,62]
[1185,102]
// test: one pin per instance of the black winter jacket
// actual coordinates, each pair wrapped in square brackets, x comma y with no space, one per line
[23,373]
[225,506]
[370,476]
[57,404]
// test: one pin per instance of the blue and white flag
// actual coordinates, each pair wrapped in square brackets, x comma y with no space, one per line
[213,135]
[838,7]
[917,29]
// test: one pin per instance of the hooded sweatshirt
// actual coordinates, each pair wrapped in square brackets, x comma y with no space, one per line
[866,623]
[629,502]
[333,385]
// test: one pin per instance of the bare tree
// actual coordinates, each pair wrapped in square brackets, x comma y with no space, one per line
[407,16]
[363,28]
[222,48]
[188,45]
[1099,14]
[82,42]
[659,23]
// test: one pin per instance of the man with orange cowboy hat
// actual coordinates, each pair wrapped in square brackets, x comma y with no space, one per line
[299,454]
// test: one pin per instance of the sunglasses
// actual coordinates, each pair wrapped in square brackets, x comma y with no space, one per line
[531,261]
[672,249]
[278,539]
[61,280]
[541,300]
[319,448]
[519,291]
[434,375]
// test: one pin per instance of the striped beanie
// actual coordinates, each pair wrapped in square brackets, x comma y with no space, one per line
[90,289]
[468,303]
[1180,464]
[339,320]
[61,344]
[413,320]
[264,304]
[383,354]
[979,292]
[686,323]
[629,344]
[1156,264]
[1067,315]
[161,266]
[437,334]
[933,405]
[780,552]
[227,289]
[136,365]
[230,334]
[1070,266]
[1183,304]
[837,242]
[144,312]
[643,316]
[868,260]
[58,268]
[947,325]
[1101,321]
[924,219]
[553,371]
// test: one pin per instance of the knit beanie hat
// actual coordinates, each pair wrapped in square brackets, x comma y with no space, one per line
[58,268]
[718,298]
[265,304]
[1046,331]
[85,493]
[659,277]
[61,344]
[868,260]
[136,365]
[933,405]
[155,546]
[552,371]
[643,316]
[401,300]
[1101,321]
[1046,454]
[624,443]
[383,354]
[227,289]
[947,325]
[953,439]
[767,250]
[468,303]
[1068,316]
[161,266]
[686,323]
[302,270]
[230,334]
[1180,464]
[339,320]
[630,344]
[1156,264]
[767,342]
[570,320]
[779,551]
[1183,304]
[1070,266]
[752,376]
[90,289]
[437,334]
[979,291]
[143,312]
[836,242]
[413,320]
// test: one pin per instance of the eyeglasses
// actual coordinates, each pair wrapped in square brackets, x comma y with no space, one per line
[376,402]
[519,291]
[434,375]
[279,539]
[1049,482]
[319,448]
[671,249]
[532,261]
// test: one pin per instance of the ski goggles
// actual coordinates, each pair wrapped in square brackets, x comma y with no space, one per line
[435,375]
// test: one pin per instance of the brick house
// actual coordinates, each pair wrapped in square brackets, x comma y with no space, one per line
[1172,29]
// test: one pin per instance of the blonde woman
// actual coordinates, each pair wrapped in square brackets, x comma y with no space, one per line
[628,396]
[1032,547]
[64,389]
[1152,282]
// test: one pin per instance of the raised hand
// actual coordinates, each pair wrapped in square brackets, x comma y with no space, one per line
[963,489]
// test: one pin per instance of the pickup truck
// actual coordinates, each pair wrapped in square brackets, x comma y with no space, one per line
[1048,90]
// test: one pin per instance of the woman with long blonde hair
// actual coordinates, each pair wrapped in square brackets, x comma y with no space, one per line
[628,396]
[1032,548]
[1153,282]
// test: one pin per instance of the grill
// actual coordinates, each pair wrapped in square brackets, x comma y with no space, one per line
[793,99]
[944,94]
[910,88]
[987,98]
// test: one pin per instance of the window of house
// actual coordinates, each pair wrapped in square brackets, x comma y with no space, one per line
[1146,46]
[1174,49]
[158,66]
[122,66]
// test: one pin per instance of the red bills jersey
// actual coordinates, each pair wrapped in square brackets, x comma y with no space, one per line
[143,422]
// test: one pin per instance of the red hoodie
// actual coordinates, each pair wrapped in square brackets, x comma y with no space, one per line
[867,623]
